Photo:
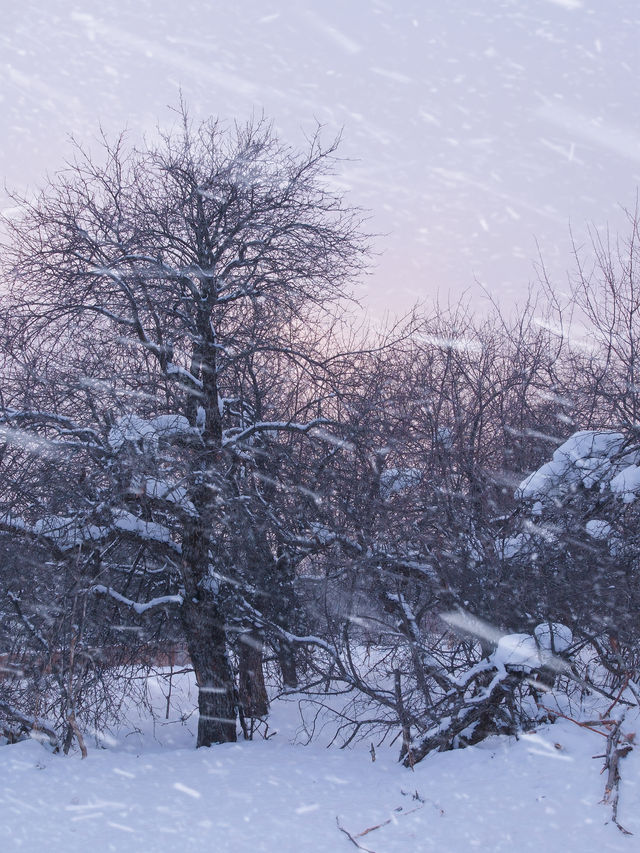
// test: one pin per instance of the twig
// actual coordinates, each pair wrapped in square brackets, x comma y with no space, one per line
[399,813]
[618,697]
[352,839]
[576,722]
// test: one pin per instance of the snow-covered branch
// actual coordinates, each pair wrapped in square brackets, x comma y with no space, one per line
[139,528]
[236,435]
[139,607]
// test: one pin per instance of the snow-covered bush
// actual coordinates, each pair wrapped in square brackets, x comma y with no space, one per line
[380,674]
[573,548]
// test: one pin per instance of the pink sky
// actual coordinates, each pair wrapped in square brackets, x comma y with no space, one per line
[472,128]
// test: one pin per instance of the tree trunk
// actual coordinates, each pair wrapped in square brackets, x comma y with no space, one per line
[207,644]
[202,618]
[284,609]
[251,687]
[287,663]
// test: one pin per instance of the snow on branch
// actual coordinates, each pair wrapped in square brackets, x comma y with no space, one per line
[24,435]
[29,441]
[38,416]
[138,606]
[62,532]
[311,640]
[237,434]
[149,531]
[131,429]
[32,724]
[406,565]
[161,490]
[67,533]
[588,458]
[184,374]
[31,628]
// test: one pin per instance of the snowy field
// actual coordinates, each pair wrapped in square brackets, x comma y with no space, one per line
[150,790]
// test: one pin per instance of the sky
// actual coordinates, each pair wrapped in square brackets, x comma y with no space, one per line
[476,133]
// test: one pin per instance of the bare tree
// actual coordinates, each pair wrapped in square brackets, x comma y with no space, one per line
[171,291]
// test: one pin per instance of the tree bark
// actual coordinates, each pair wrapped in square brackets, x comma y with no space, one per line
[207,644]
[251,685]
[287,663]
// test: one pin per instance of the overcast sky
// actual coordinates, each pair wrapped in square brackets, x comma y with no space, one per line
[472,128]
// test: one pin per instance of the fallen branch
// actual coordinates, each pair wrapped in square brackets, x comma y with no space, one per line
[30,724]
[612,763]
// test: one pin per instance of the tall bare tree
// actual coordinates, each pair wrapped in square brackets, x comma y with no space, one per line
[161,299]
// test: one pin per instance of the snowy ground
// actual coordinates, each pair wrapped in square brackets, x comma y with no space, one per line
[150,790]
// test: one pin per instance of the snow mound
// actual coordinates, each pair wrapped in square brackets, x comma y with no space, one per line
[517,652]
[553,637]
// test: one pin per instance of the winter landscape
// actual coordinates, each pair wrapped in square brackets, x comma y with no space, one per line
[320,427]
